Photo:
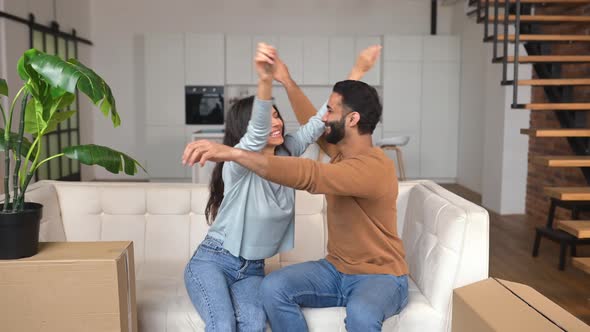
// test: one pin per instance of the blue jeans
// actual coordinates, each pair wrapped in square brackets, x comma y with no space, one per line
[369,298]
[225,289]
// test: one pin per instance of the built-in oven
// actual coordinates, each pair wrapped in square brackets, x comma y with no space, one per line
[204,105]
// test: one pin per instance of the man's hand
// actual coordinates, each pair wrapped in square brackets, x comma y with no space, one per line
[264,61]
[203,150]
[282,72]
[365,61]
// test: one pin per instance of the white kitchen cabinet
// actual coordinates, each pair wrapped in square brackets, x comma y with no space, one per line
[238,59]
[421,80]
[442,48]
[403,48]
[373,77]
[164,79]
[204,59]
[316,60]
[165,145]
[290,49]
[402,95]
[342,55]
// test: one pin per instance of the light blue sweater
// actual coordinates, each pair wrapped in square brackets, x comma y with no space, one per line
[255,219]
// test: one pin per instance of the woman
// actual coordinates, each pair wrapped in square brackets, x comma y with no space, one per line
[253,217]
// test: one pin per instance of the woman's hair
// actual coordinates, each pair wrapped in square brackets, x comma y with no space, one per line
[236,124]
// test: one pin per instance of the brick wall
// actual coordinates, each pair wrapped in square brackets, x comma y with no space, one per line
[539,176]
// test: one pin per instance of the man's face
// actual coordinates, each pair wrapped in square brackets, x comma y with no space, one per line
[335,119]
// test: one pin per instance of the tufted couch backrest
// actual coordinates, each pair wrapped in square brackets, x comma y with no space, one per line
[445,236]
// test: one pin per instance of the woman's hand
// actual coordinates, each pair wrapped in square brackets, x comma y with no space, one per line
[264,61]
[203,150]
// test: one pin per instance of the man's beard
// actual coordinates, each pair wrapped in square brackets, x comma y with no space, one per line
[336,133]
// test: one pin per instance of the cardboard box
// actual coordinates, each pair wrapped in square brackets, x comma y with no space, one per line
[70,286]
[499,305]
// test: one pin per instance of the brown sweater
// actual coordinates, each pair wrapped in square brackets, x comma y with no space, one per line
[361,192]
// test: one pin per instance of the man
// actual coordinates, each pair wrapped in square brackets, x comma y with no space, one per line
[365,269]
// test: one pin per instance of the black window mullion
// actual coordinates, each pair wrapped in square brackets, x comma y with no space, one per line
[55,27]
[77,94]
[69,108]
[31,42]
[46,138]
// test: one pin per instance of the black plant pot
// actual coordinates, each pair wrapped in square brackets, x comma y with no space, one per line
[19,232]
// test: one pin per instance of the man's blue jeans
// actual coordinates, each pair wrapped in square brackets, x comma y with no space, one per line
[369,298]
[225,289]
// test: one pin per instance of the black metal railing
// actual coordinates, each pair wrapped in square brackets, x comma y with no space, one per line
[554,94]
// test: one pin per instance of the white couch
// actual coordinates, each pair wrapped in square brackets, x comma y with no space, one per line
[445,237]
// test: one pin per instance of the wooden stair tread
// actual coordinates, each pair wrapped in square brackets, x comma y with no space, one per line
[491,2]
[557,106]
[528,38]
[564,161]
[550,58]
[577,228]
[569,193]
[543,18]
[556,132]
[582,263]
[555,81]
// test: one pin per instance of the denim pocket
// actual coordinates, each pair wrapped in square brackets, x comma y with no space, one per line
[212,244]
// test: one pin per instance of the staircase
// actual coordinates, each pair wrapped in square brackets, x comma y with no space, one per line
[532,25]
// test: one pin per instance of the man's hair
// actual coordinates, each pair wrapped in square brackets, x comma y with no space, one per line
[362,98]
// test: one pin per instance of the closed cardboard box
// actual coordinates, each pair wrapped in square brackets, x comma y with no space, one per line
[499,305]
[70,286]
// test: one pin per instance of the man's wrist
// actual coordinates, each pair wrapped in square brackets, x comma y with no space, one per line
[236,154]
[356,74]
[288,83]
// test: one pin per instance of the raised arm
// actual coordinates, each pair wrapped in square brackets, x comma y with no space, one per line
[351,177]
[259,126]
[302,106]
[306,134]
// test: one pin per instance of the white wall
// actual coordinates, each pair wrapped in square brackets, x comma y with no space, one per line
[492,156]
[474,57]
[14,40]
[116,26]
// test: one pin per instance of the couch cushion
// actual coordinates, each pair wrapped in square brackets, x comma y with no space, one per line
[162,301]
[164,305]
[51,228]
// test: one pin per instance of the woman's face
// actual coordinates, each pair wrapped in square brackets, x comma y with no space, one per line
[276,132]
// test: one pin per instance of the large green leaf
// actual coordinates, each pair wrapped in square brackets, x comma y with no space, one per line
[43,118]
[56,119]
[34,120]
[112,160]
[26,146]
[71,74]
[36,86]
[3,87]
[24,67]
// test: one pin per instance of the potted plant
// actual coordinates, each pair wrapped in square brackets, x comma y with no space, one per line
[50,84]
